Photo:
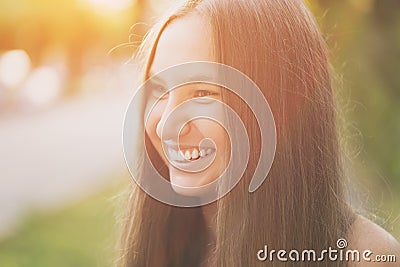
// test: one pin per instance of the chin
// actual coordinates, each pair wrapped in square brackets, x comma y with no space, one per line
[192,184]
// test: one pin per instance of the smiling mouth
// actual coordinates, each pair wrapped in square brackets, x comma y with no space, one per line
[191,154]
[190,158]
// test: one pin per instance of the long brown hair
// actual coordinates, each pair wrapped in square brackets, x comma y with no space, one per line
[301,205]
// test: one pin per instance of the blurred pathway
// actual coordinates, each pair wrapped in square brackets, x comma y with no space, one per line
[60,155]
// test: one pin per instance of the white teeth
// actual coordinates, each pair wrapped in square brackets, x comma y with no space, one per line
[195,154]
[188,155]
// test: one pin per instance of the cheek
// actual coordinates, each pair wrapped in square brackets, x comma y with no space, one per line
[214,131]
[151,124]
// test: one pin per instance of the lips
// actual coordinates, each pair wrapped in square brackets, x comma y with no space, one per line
[188,154]
[189,158]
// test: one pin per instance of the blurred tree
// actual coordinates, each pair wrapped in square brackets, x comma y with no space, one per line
[69,27]
[364,36]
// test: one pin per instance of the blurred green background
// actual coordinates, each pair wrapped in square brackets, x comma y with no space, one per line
[61,167]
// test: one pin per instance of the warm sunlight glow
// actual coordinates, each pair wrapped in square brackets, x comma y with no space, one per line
[14,67]
[43,86]
[110,5]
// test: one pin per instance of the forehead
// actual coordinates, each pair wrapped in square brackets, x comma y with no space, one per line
[184,40]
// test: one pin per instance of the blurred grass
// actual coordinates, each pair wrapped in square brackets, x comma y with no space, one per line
[82,234]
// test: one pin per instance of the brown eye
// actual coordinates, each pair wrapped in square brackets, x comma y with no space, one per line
[158,91]
[204,93]
[205,96]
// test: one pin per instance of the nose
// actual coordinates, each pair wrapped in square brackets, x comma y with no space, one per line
[171,122]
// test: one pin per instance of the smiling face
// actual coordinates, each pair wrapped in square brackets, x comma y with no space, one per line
[183,143]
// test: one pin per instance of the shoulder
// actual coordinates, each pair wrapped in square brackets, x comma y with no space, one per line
[366,235]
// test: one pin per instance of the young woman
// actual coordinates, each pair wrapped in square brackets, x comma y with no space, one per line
[301,205]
